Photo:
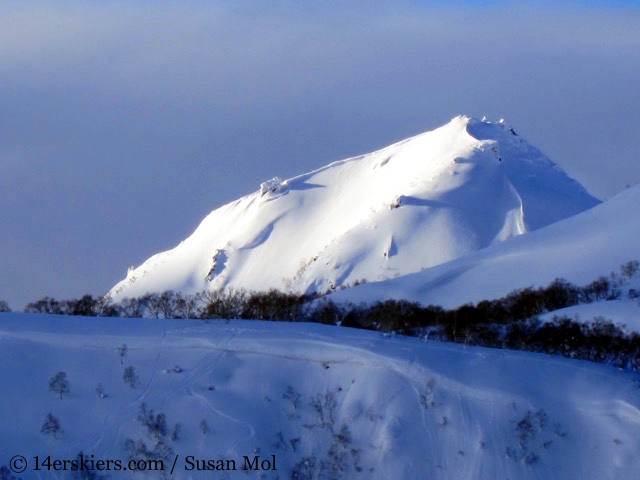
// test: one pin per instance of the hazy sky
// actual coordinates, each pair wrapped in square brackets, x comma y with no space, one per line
[122,124]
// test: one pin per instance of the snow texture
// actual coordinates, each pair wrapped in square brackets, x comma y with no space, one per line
[579,249]
[418,203]
[355,403]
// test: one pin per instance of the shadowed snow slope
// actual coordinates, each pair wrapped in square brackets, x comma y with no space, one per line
[328,402]
[579,249]
[418,203]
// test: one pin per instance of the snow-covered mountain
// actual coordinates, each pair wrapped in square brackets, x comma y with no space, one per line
[578,249]
[465,212]
[418,203]
[313,401]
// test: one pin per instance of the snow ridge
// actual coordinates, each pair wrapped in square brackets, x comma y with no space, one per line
[410,206]
[579,249]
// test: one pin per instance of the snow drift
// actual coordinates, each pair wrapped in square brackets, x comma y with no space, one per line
[578,249]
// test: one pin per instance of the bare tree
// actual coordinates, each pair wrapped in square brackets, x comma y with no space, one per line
[51,426]
[630,269]
[44,305]
[130,377]
[292,396]
[59,384]
[188,306]
[122,352]
[161,304]
[104,307]
[130,308]
[204,427]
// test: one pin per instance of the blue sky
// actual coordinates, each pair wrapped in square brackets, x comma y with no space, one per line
[123,124]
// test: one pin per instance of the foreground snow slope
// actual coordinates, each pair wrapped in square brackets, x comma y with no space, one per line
[412,409]
[579,249]
[421,202]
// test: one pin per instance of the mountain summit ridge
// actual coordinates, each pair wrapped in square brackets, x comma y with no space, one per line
[412,205]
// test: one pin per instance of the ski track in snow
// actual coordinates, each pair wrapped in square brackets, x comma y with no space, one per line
[474,397]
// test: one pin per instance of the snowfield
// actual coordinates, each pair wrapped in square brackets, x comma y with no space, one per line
[579,249]
[327,402]
[418,203]
[622,312]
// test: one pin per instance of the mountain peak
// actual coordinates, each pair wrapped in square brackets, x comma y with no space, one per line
[417,203]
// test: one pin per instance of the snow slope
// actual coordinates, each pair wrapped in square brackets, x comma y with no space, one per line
[412,409]
[415,204]
[578,249]
[623,313]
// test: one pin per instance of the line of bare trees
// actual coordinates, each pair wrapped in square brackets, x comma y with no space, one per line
[508,322]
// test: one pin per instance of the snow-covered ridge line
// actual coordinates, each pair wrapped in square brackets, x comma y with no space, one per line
[454,190]
[578,249]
